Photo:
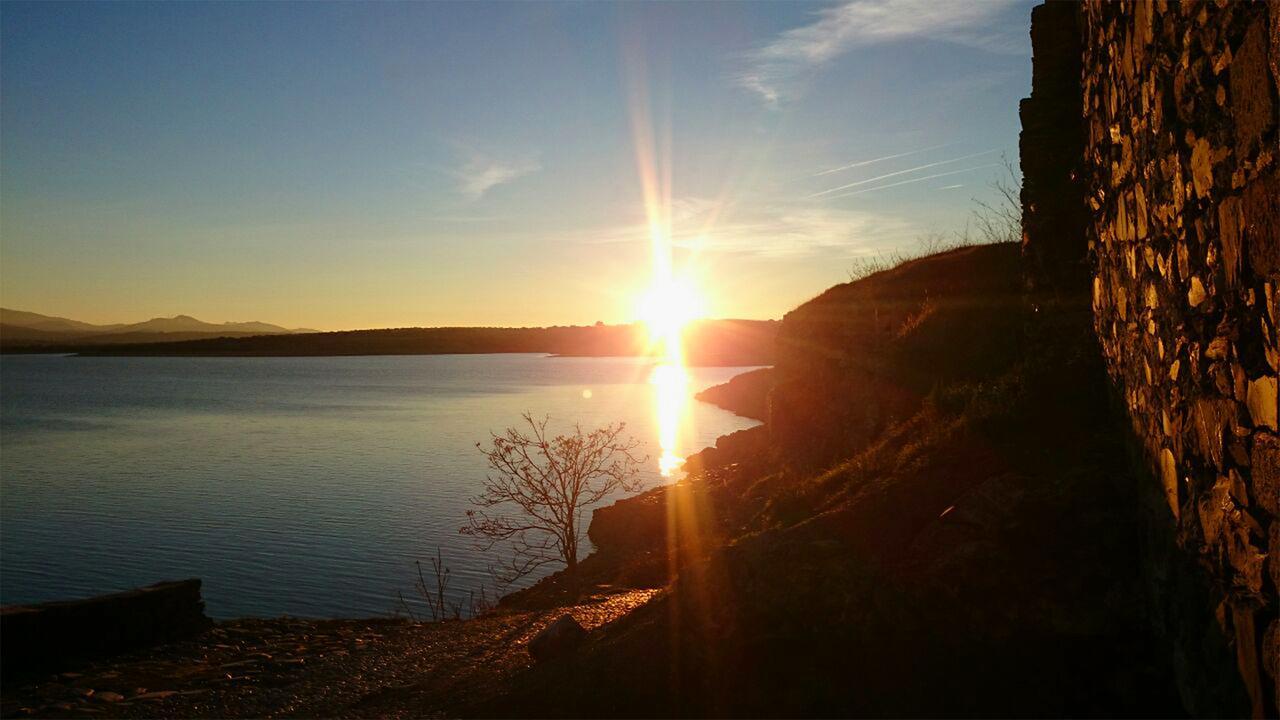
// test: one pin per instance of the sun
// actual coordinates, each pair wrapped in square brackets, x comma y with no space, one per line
[667,308]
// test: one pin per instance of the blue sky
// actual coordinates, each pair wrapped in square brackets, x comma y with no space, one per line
[339,165]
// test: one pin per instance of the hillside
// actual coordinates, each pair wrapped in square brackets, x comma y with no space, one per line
[936,520]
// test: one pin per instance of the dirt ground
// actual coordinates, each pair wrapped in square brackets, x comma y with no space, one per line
[290,667]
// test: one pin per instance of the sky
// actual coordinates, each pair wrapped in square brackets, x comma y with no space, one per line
[344,165]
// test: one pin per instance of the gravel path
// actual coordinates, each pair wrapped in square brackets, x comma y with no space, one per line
[310,668]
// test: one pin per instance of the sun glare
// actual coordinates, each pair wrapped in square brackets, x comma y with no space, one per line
[672,300]
[666,309]
[669,306]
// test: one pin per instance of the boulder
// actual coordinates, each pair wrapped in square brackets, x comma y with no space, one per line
[557,639]
[53,636]
[631,524]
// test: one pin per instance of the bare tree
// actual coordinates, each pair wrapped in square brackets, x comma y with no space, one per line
[546,482]
[1001,220]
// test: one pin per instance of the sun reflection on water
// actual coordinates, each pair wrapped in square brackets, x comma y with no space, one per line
[671,385]
[667,309]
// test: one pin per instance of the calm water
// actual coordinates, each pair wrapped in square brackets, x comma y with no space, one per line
[300,486]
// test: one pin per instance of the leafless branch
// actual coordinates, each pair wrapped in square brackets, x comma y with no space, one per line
[533,499]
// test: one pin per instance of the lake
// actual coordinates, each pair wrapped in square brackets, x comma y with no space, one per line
[291,486]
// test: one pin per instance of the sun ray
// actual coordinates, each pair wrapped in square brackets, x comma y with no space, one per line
[672,300]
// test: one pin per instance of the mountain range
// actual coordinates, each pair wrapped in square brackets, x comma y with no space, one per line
[19,328]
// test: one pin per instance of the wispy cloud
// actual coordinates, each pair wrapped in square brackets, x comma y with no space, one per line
[772,70]
[480,173]
[462,218]
[908,171]
[872,161]
[776,230]
[916,180]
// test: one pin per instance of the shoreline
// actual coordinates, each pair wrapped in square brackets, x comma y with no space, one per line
[725,343]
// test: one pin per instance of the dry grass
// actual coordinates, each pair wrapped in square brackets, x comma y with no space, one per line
[989,223]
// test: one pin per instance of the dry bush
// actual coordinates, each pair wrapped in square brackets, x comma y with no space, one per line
[432,596]
[547,482]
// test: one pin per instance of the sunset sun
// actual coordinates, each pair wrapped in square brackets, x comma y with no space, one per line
[668,307]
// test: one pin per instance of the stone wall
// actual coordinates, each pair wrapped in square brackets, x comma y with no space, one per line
[56,635]
[1183,228]
[1051,153]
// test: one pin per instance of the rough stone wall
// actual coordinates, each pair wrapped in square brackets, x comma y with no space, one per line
[54,636]
[1051,152]
[1183,195]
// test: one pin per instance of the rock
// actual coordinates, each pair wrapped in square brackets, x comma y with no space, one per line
[1169,478]
[1230,218]
[156,695]
[1265,462]
[1202,167]
[1217,349]
[45,635]
[1262,402]
[1271,650]
[1212,508]
[1261,202]
[1195,295]
[1251,110]
[630,524]
[1273,545]
[1210,419]
[557,639]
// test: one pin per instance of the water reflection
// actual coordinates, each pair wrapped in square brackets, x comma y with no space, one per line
[669,377]
[671,393]
[353,466]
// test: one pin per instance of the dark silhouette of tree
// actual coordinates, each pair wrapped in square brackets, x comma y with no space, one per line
[545,483]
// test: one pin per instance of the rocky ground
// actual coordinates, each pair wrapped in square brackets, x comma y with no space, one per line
[312,668]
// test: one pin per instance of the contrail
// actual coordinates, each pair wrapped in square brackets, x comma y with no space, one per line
[914,180]
[902,172]
[860,163]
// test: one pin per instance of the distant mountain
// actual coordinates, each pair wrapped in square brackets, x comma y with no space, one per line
[19,328]
[186,323]
[49,323]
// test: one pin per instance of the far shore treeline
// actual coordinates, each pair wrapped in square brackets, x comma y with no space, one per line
[706,342]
